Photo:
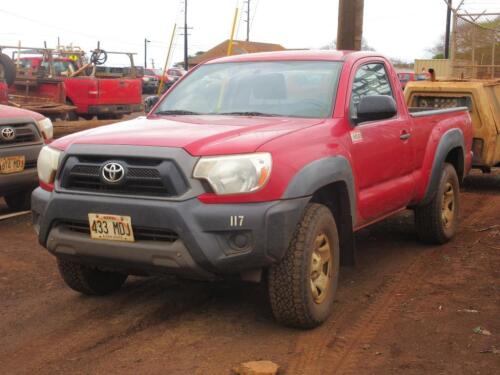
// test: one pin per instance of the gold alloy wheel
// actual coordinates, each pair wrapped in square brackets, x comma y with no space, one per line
[321,268]
[448,205]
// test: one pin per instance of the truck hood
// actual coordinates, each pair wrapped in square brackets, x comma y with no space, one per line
[198,135]
[13,112]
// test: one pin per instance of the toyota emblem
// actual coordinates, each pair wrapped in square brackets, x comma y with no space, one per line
[8,134]
[113,172]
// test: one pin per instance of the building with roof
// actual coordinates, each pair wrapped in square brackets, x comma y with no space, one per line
[239,47]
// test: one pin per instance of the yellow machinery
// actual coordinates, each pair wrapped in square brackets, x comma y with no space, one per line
[482,97]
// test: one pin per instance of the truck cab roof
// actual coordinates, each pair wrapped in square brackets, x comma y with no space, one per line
[321,55]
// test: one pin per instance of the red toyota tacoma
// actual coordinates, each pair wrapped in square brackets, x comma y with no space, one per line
[22,135]
[252,165]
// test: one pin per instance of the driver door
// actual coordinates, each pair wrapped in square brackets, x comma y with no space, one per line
[380,149]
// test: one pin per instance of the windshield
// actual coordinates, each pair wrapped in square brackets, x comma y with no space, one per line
[61,68]
[263,88]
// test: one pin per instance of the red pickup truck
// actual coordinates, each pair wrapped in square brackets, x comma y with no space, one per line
[251,163]
[4,99]
[92,96]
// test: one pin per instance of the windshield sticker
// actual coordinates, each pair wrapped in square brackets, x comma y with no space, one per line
[356,136]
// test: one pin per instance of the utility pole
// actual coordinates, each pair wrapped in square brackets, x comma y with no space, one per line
[146,41]
[350,25]
[186,64]
[448,29]
[248,20]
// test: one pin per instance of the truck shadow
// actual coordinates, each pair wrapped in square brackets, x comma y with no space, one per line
[484,183]
[170,300]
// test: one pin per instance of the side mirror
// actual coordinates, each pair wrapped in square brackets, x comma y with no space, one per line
[376,107]
[150,102]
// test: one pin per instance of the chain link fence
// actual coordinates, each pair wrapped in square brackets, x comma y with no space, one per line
[475,47]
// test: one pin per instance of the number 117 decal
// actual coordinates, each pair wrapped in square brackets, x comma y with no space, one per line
[236,220]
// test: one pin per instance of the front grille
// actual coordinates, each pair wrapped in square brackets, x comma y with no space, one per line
[140,233]
[151,177]
[25,133]
[30,164]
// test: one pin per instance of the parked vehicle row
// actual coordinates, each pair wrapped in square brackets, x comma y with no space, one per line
[153,77]
[255,166]
[409,76]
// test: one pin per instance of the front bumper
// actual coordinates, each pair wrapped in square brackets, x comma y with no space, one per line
[212,239]
[25,180]
[17,182]
[114,109]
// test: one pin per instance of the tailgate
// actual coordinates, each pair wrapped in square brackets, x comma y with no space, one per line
[119,91]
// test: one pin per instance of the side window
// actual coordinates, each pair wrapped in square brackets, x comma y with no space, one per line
[370,79]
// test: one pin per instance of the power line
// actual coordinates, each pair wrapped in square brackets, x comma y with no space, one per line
[63,28]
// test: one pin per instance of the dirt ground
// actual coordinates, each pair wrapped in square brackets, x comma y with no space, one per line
[405,308]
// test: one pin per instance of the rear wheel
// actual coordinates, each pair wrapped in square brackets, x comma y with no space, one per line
[20,201]
[302,286]
[7,69]
[89,280]
[437,221]
[70,115]
[110,116]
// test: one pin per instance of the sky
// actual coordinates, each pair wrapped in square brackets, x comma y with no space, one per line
[402,29]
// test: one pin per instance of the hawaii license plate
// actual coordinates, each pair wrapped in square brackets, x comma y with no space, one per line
[111,227]
[12,164]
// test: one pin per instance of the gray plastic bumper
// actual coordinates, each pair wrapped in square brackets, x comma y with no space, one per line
[212,238]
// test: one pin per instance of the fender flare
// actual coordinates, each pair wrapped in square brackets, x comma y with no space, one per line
[320,173]
[451,139]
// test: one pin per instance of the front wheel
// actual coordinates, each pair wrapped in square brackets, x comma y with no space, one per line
[302,286]
[437,221]
[89,280]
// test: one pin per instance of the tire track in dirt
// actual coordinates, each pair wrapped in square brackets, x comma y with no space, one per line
[316,346]
[323,348]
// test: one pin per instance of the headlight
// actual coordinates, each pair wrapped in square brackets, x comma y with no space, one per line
[236,173]
[48,162]
[47,128]
[146,79]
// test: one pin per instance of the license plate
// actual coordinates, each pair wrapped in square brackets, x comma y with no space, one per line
[12,164]
[111,227]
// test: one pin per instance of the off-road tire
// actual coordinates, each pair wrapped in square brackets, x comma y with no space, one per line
[428,219]
[20,201]
[89,280]
[7,69]
[289,282]
[110,116]
[70,116]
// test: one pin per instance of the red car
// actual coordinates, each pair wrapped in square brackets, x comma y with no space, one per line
[152,79]
[257,165]
[405,77]
[92,96]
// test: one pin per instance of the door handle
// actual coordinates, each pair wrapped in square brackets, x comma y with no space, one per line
[404,135]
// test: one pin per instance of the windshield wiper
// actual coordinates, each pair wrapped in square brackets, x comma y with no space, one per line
[177,112]
[246,114]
